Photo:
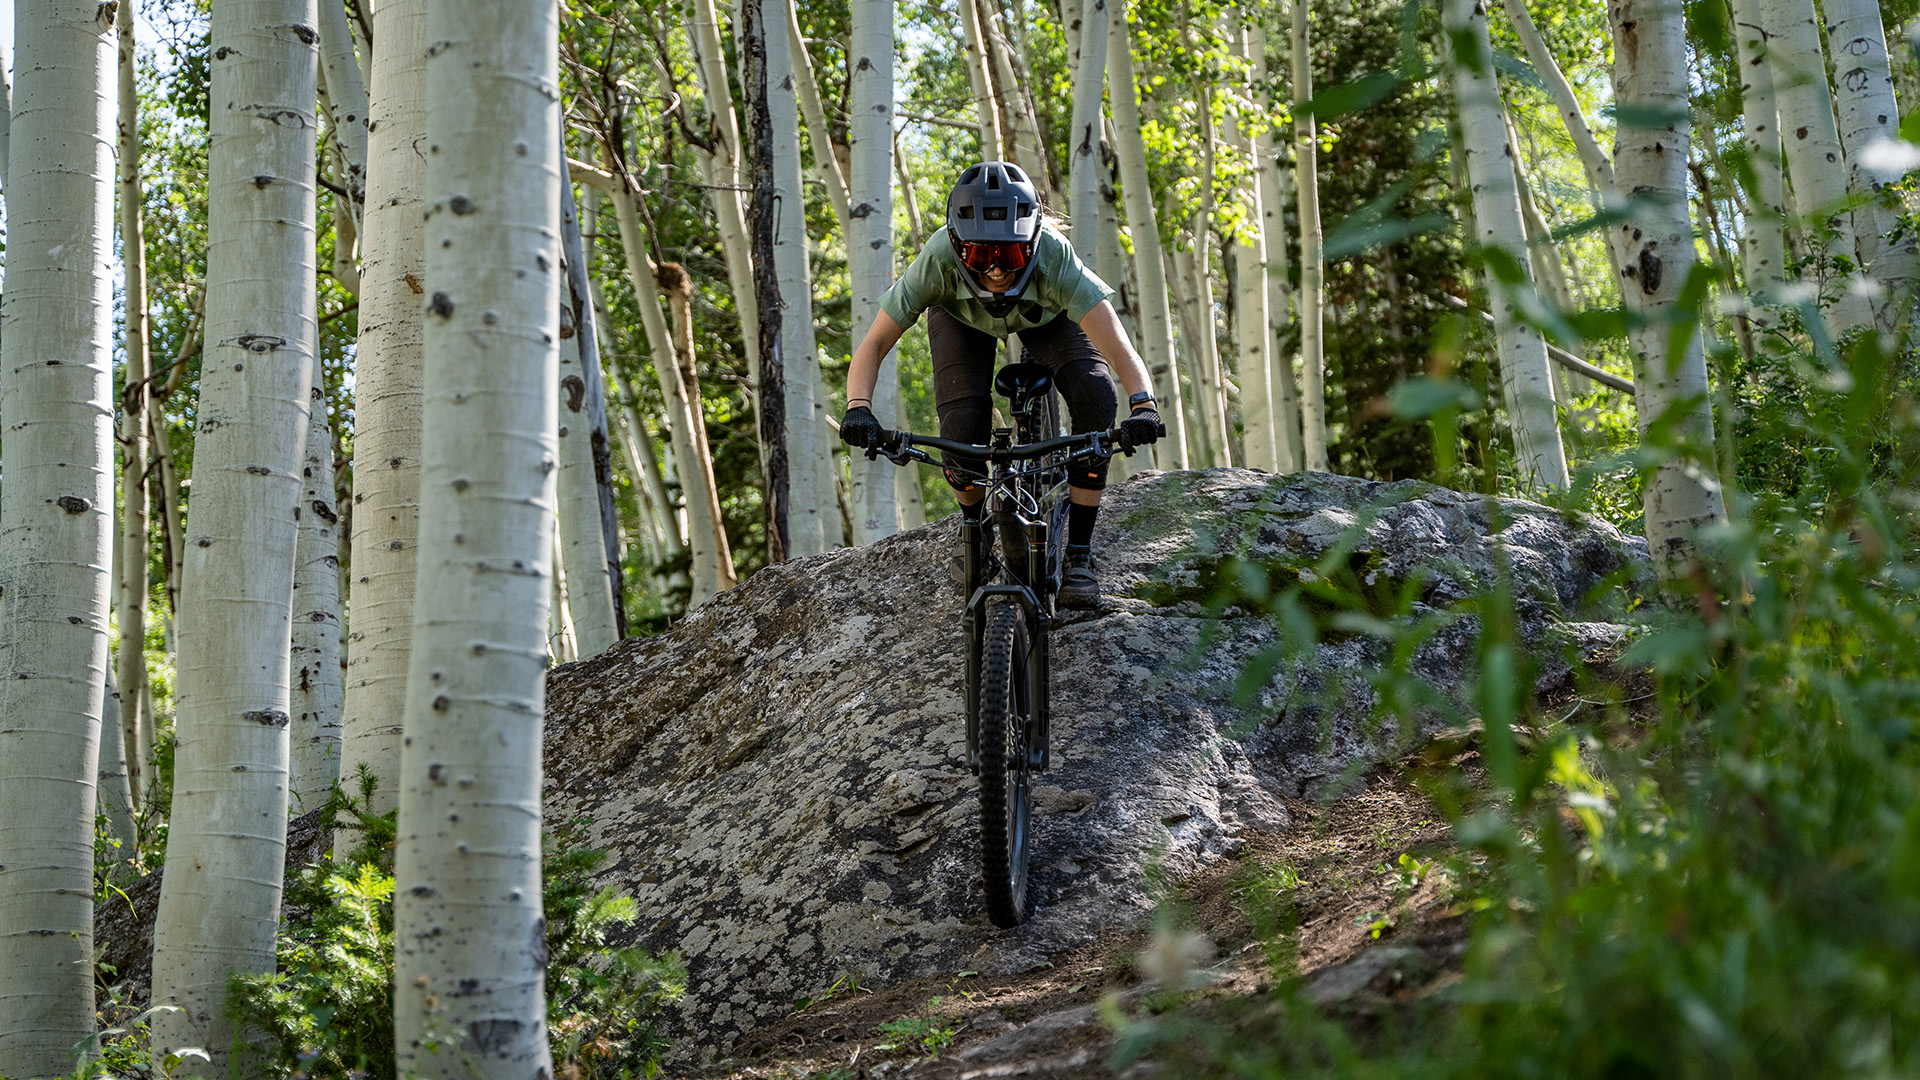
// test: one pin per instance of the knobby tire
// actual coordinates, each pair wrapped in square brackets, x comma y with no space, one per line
[1006,796]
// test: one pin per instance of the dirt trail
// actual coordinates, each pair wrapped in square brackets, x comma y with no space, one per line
[1368,929]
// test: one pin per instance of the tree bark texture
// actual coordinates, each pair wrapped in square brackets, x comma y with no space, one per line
[1763,245]
[1084,164]
[993,143]
[134,723]
[1670,372]
[220,902]
[581,302]
[1863,82]
[811,518]
[1815,166]
[1250,334]
[826,154]
[469,937]
[1282,387]
[56,527]
[875,502]
[317,692]
[583,545]
[1156,313]
[346,103]
[1313,262]
[387,394]
[1526,379]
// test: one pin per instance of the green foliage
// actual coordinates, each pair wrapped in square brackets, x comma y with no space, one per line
[923,1036]
[328,1011]
[1709,867]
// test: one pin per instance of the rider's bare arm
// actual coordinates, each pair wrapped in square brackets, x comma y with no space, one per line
[1103,329]
[864,372]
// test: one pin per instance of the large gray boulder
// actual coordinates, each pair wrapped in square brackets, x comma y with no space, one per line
[781,777]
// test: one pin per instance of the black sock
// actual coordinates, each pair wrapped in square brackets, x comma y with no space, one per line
[1080,525]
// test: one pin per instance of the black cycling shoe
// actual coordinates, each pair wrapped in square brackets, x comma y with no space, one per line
[988,559]
[1079,587]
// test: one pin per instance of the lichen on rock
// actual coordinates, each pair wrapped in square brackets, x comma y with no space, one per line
[781,777]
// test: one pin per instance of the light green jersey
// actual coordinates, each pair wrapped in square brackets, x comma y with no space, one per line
[1060,282]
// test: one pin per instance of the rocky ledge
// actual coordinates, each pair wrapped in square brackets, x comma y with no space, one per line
[781,779]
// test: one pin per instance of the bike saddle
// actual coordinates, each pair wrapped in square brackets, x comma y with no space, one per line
[1022,382]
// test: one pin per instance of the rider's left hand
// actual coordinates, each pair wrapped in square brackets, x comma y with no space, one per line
[1141,428]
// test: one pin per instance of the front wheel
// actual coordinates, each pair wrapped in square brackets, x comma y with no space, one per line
[1005,732]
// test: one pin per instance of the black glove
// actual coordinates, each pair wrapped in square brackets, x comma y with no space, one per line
[1141,428]
[860,428]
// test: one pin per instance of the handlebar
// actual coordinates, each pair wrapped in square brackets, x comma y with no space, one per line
[903,446]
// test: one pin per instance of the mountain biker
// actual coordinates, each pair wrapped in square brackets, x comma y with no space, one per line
[999,268]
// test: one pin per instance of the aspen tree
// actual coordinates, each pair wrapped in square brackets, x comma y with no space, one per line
[1863,82]
[469,937]
[134,723]
[725,176]
[986,96]
[1156,315]
[1656,242]
[1284,391]
[1083,143]
[114,800]
[317,692]
[1812,140]
[1014,97]
[832,172]
[810,513]
[587,419]
[875,503]
[56,526]
[1251,336]
[346,106]
[1313,262]
[1525,379]
[226,845]
[387,389]
[583,550]
[1763,245]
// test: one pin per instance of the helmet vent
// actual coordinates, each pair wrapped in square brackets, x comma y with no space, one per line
[966,212]
[996,213]
[971,175]
[993,179]
[1026,209]
[1018,176]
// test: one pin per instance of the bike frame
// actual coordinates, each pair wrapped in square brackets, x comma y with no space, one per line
[1022,508]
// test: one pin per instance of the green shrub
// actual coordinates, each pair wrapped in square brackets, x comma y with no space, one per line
[328,1011]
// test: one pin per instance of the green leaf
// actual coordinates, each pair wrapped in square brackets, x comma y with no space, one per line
[1417,399]
[1362,93]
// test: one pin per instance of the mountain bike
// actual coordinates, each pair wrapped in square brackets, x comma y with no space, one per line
[1009,613]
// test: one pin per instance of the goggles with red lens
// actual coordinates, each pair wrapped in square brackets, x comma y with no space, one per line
[1009,255]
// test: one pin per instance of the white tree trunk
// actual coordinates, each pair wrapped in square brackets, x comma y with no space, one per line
[1868,114]
[346,103]
[875,497]
[469,937]
[1284,391]
[724,180]
[1251,333]
[1525,377]
[1763,245]
[1083,144]
[812,515]
[56,527]
[1015,100]
[712,565]
[993,143]
[131,553]
[1156,315]
[317,692]
[115,788]
[1812,140]
[1313,263]
[387,390]
[220,901]
[1650,80]
[583,549]
[826,156]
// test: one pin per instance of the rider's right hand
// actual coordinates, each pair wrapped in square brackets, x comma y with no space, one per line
[860,428]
